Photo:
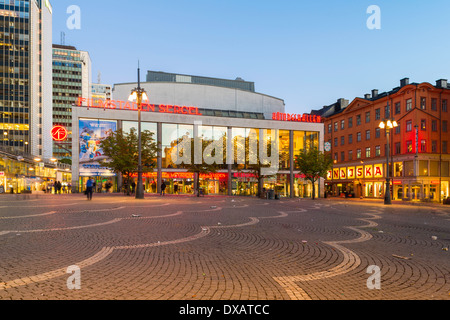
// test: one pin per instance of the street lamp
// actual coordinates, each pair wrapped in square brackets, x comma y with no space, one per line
[388,125]
[138,94]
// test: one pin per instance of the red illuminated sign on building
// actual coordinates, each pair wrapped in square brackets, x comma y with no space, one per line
[132,106]
[59,133]
[278,116]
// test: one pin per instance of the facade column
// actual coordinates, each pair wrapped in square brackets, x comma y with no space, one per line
[291,163]
[230,159]
[159,159]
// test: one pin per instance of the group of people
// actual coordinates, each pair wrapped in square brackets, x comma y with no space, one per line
[59,188]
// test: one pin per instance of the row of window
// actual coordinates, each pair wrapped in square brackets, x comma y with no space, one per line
[423,148]
[397,110]
[409,128]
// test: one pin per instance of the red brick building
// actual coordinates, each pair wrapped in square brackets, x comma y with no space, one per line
[419,154]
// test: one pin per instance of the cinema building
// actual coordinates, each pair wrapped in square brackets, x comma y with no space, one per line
[182,106]
[418,150]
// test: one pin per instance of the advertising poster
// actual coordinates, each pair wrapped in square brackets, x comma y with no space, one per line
[91,154]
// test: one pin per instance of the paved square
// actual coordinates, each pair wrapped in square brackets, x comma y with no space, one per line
[221,248]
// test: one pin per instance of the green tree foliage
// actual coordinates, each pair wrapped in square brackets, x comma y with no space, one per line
[123,156]
[313,164]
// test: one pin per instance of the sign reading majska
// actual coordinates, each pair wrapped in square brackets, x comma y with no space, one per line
[132,106]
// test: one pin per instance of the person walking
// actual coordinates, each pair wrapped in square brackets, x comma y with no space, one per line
[90,188]
[163,188]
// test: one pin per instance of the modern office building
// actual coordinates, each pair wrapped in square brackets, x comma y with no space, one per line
[71,80]
[26,64]
[101,92]
[25,94]
[240,120]
[418,150]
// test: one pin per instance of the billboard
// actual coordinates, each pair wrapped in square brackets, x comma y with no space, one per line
[91,155]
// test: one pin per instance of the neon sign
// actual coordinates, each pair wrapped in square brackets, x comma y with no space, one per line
[132,106]
[278,116]
[59,133]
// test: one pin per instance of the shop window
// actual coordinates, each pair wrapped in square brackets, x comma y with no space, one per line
[408,168]
[434,168]
[398,169]
[423,168]
[445,172]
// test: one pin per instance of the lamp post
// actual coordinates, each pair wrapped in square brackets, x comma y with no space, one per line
[138,94]
[388,125]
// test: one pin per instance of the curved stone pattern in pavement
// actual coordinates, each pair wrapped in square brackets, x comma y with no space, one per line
[221,248]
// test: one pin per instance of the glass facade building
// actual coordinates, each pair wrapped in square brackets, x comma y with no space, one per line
[234,175]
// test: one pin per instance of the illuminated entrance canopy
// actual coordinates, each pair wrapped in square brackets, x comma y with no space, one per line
[132,106]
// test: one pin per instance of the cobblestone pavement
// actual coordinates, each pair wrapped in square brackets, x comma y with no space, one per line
[221,248]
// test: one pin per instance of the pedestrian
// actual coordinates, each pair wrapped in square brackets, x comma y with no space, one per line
[133,187]
[90,185]
[175,188]
[163,188]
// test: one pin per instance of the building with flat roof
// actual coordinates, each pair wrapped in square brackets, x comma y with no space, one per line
[71,80]
[239,119]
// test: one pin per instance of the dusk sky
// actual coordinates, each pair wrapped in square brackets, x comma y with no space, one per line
[308,53]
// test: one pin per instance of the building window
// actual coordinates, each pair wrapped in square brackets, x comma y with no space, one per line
[423,125]
[408,105]
[368,135]
[350,139]
[444,126]
[377,133]
[358,137]
[434,104]
[378,114]
[444,105]
[423,103]
[434,146]
[358,154]
[409,146]
[423,146]
[350,155]
[342,140]
[342,156]
[350,122]
[398,130]
[434,126]
[342,124]
[367,117]
[336,159]
[398,148]
[398,108]
[387,114]
[367,152]
[336,143]
[358,120]
[336,127]
[408,126]
[378,151]
[330,128]
[444,146]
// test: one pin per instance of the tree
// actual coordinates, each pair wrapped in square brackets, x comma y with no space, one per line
[206,156]
[313,164]
[121,149]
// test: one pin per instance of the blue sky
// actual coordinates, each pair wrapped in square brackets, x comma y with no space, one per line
[309,53]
